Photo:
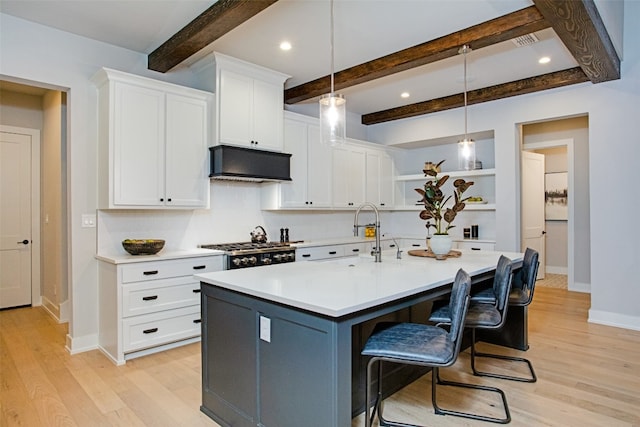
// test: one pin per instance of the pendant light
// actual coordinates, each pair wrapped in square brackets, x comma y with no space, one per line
[466,147]
[332,108]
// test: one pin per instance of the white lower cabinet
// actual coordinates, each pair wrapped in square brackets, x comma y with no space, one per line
[150,306]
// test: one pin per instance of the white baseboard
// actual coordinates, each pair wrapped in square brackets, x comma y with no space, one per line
[580,287]
[81,344]
[52,309]
[614,319]
[552,269]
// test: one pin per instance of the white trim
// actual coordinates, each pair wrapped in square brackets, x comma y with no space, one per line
[81,344]
[581,287]
[614,319]
[552,269]
[569,143]
[36,238]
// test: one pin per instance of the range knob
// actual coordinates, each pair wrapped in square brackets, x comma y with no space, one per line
[244,261]
[236,262]
[266,261]
[277,257]
[291,256]
[253,260]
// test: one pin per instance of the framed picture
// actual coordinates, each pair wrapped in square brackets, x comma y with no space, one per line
[555,196]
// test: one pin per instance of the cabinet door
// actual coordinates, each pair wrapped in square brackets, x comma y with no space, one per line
[138,146]
[236,108]
[267,115]
[319,169]
[294,192]
[386,181]
[348,176]
[186,148]
[373,178]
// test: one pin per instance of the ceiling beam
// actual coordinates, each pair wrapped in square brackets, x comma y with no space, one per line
[580,27]
[505,90]
[219,19]
[519,23]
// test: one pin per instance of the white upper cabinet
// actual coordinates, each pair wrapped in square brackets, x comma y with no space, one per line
[379,179]
[310,186]
[348,176]
[249,110]
[152,150]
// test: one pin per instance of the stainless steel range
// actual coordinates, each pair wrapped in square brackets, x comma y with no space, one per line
[249,254]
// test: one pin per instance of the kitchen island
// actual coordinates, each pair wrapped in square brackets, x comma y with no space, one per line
[281,344]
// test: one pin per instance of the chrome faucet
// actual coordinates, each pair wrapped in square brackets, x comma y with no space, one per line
[398,250]
[377,251]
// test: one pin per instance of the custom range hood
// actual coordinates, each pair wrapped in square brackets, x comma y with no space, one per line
[244,164]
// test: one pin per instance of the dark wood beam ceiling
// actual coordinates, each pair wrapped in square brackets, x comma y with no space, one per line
[503,28]
[519,87]
[580,27]
[219,19]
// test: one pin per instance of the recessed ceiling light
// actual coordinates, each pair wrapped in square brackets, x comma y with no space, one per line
[544,60]
[285,45]
[405,95]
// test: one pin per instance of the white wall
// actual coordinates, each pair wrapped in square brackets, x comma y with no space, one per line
[613,109]
[46,57]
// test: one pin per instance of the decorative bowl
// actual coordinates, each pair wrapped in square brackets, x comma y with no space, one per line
[143,246]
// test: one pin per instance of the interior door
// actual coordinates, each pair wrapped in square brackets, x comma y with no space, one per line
[533,233]
[15,219]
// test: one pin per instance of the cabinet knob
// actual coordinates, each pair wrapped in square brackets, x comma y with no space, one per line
[168,200]
[161,199]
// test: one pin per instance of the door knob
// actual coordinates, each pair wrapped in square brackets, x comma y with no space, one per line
[24,242]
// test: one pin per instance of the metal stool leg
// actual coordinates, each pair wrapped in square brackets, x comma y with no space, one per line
[474,354]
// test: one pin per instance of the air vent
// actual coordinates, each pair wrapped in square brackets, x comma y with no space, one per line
[526,40]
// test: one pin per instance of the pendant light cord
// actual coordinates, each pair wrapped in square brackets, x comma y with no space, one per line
[332,60]
[465,49]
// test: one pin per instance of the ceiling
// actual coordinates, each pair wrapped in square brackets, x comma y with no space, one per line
[363,31]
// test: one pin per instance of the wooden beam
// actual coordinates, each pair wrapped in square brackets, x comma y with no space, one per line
[580,27]
[497,30]
[492,93]
[219,19]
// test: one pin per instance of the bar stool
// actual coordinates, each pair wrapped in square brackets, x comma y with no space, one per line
[417,344]
[482,316]
[520,297]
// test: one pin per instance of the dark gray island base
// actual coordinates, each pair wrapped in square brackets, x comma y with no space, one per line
[265,363]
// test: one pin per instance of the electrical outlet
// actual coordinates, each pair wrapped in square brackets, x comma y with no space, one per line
[265,329]
[88,220]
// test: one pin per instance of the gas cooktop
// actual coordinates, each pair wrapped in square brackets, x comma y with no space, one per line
[247,247]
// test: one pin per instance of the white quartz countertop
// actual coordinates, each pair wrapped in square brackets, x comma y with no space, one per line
[340,287]
[125,258]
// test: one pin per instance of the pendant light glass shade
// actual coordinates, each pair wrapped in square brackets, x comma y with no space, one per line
[466,147]
[332,118]
[332,109]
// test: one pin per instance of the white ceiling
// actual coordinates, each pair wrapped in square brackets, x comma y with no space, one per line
[364,30]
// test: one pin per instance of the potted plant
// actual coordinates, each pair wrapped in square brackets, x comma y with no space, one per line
[436,212]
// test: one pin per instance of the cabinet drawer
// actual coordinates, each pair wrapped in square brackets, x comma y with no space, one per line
[157,295]
[476,246]
[154,270]
[319,252]
[354,249]
[156,329]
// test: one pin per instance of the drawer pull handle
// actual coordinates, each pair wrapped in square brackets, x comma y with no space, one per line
[199,267]
[150,273]
[196,291]
[475,249]
[354,250]
[197,321]
[150,331]
[150,298]
[306,255]
[392,246]
[332,253]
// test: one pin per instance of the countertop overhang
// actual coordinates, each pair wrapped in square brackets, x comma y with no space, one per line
[340,287]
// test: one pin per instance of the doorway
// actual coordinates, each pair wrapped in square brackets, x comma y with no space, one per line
[564,143]
[26,106]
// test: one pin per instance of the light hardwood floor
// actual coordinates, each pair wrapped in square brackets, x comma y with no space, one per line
[588,375]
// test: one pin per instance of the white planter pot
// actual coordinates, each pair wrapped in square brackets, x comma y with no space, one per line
[440,244]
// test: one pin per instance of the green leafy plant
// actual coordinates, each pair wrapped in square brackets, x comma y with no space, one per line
[434,199]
